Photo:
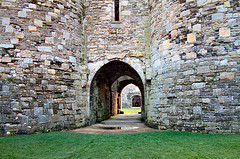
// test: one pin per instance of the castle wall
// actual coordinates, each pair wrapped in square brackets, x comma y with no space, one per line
[41,65]
[195,65]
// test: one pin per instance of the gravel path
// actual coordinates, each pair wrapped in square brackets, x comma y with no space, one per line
[119,124]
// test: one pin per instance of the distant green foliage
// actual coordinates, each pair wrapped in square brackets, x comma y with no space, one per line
[165,144]
[131,110]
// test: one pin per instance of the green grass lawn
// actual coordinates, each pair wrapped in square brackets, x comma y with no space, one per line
[165,144]
[131,110]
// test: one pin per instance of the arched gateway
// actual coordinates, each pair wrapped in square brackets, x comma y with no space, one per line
[106,88]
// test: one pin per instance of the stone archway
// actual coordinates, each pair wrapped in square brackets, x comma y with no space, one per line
[106,87]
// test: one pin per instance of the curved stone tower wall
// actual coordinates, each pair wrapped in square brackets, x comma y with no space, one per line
[41,66]
[195,62]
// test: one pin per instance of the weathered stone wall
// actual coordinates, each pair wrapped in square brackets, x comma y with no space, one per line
[109,40]
[195,62]
[41,65]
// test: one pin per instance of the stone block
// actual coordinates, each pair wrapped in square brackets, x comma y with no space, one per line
[33,80]
[197,28]
[65,112]
[32,28]
[191,55]
[2,69]
[42,119]
[26,54]
[37,70]
[6,4]
[19,35]
[57,11]
[51,87]
[224,32]
[65,66]
[226,76]
[166,44]
[64,20]
[126,13]
[9,29]
[32,6]
[49,40]
[5,88]
[38,23]
[218,16]
[217,92]
[48,18]
[201,2]
[28,60]
[38,111]
[203,69]
[224,62]
[51,71]
[66,35]
[236,15]
[176,58]
[72,59]
[197,110]
[44,82]
[189,72]
[124,3]
[5,21]
[60,6]
[191,37]
[6,46]
[54,14]
[60,47]
[64,88]
[14,41]
[206,100]
[185,13]
[219,109]
[6,59]
[22,14]
[198,85]
[47,63]
[45,48]
[174,33]
[227,4]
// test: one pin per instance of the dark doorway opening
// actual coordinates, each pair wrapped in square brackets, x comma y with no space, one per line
[106,88]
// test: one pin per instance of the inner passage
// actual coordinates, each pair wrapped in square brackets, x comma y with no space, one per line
[131,99]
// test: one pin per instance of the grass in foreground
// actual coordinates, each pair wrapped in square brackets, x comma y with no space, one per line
[165,144]
[131,110]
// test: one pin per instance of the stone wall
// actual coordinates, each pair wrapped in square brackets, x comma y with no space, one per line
[182,54]
[42,66]
[195,62]
[109,40]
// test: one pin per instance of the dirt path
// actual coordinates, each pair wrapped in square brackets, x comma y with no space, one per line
[119,124]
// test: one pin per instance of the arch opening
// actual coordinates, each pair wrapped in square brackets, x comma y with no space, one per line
[131,96]
[106,88]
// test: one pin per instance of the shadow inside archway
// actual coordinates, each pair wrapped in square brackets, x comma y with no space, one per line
[106,88]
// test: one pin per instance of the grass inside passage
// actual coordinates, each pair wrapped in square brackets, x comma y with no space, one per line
[131,110]
[164,144]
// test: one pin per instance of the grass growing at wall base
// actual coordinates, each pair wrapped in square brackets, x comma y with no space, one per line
[131,110]
[165,144]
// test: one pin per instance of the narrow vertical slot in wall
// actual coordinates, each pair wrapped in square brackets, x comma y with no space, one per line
[116,10]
